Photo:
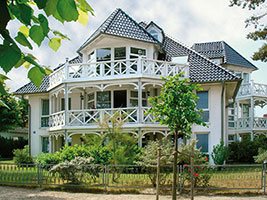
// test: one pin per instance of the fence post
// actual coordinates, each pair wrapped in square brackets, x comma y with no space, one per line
[158,174]
[39,176]
[264,176]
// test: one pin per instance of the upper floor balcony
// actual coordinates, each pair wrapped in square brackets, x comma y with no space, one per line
[252,89]
[118,69]
[251,124]
[131,117]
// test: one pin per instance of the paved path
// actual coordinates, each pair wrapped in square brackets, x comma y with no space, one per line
[14,193]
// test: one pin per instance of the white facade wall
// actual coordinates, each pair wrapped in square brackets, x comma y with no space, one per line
[36,130]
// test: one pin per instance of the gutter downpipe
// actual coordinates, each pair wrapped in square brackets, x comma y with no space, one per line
[30,128]
[222,112]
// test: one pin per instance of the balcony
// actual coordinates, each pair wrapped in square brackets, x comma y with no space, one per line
[131,68]
[130,116]
[252,124]
[252,89]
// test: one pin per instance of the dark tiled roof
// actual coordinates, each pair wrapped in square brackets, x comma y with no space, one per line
[30,88]
[221,49]
[121,24]
[201,69]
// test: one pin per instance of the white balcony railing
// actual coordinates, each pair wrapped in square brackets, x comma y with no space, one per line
[252,89]
[248,123]
[90,117]
[116,69]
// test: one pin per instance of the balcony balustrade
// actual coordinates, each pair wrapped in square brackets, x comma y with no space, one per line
[248,123]
[252,89]
[94,117]
[115,69]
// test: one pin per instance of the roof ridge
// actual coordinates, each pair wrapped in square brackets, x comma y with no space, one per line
[202,56]
[111,17]
[136,23]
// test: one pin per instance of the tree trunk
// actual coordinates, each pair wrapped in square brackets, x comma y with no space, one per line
[175,158]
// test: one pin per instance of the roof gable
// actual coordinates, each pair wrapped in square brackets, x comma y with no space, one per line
[201,69]
[221,49]
[122,25]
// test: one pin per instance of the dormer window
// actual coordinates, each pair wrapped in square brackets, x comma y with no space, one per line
[154,34]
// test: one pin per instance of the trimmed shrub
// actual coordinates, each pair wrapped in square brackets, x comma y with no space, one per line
[47,160]
[21,156]
[245,150]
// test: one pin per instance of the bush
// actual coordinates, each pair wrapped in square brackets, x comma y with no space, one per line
[100,154]
[201,176]
[8,145]
[47,160]
[245,150]
[219,153]
[21,156]
[261,157]
[70,152]
[74,170]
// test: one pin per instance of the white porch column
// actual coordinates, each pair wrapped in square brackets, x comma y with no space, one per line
[66,100]
[139,101]
[252,113]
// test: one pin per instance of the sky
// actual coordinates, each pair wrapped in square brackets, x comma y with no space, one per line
[188,21]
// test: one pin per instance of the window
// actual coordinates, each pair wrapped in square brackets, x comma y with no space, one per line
[103,99]
[103,54]
[245,78]
[154,34]
[135,52]
[231,116]
[245,110]
[45,113]
[203,142]
[120,53]
[134,99]
[63,104]
[203,104]
[45,144]
[91,100]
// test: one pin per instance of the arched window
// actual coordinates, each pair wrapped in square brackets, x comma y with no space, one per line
[154,34]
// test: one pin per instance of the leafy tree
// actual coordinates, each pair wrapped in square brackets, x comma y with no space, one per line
[33,17]
[14,114]
[219,153]
[176,107]
[257,20]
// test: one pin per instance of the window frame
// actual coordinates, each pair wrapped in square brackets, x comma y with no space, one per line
[44,117]
[208,107]
[208,143]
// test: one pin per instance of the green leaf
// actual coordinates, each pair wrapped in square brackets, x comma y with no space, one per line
[31,60]
[25,30]
[84,6]
[22,12]
[44,24]
[61,35]
[40,3]
[23,40]
[36,75]
[67,10]
[20,63]
[83,18]
[51,9]
[48,70]
[36,34]
[55,43]
[10,54]
[2,103]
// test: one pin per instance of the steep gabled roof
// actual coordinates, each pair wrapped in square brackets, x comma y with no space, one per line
[201,69]
[121,24]
[221,49]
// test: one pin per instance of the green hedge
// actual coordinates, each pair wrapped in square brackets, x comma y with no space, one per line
[8,145]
